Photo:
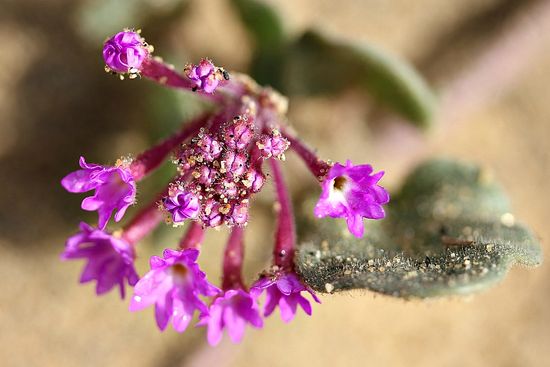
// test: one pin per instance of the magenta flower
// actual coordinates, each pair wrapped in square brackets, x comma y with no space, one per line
[352,192]
[205,75]
[124,52]
[231,311]
[284,290]
[114,187]
[183,205]
[110,259]
[173,285]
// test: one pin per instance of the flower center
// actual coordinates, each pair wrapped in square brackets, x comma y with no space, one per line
[339,183]
[179,271]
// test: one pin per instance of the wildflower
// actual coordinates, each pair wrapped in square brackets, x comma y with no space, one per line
[173,285]
[183,205]
[220,159]
[231,311]
[115,189]
[125,52]
[110,258]
[352,192]
[283,289]
[205,75]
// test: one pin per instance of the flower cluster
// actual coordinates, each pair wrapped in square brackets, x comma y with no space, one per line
[220,159]
[223,172]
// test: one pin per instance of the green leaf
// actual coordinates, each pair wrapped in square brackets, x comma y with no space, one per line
[262,22]
[319,65]
[98,19]
[448,232]
[270,41]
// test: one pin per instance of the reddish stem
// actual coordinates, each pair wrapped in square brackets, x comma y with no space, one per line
[233,260]
[318,167]
[150,159]
[285,235]
[143,223]
[193,237]
[157,71]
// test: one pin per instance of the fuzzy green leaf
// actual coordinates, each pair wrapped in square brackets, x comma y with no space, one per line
[448,232]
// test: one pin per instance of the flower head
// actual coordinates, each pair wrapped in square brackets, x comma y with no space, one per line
[125,52]
[115,189]
[283,289]
[182,205]
[231,311]
[205,75]
[173,285]
[352,192]
[110,259]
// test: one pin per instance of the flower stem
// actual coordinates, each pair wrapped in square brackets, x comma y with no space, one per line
[233,260]
[318,167]
[285,235]
[156,70]
[143,223]
[150,159]
[193,237]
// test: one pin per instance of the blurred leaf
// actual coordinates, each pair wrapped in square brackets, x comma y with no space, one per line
[270,42]
[448,232]
[317,64]
[262,22]
[98,19]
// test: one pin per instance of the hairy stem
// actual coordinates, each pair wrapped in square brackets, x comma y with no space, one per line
[144,222]
[193,237]
[316,165]
[285,235]
[233,260]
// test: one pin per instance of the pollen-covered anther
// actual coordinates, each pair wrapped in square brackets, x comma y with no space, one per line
[224,209]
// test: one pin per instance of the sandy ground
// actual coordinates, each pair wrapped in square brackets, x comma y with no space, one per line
[46,319]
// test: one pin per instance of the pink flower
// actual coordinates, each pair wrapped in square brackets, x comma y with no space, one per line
[183,205]
[352,192]
[173,285]
[115,189]
[110,259]
[283,290]
[231,311]
[205,75]
[124,52]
